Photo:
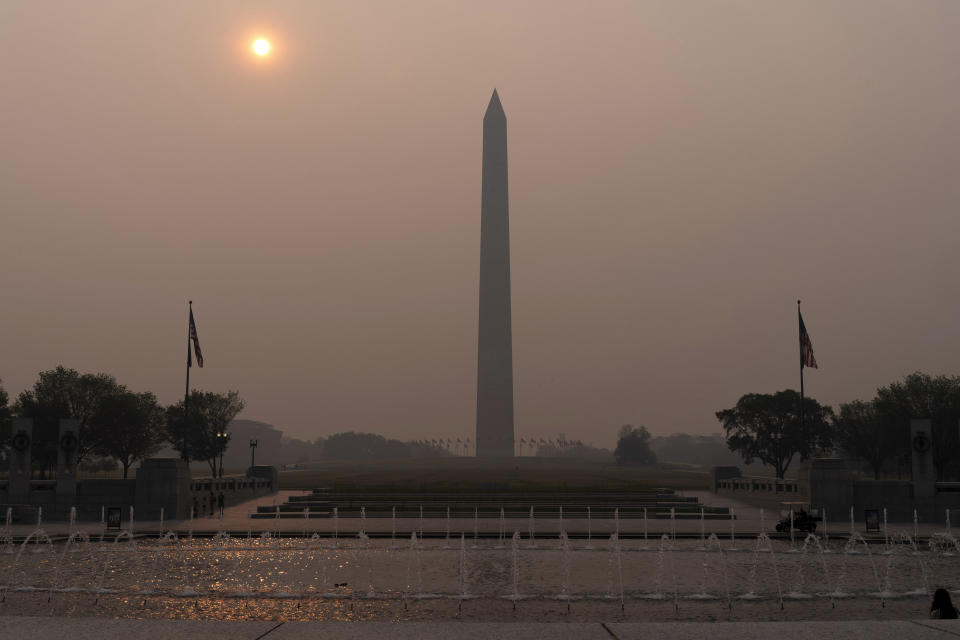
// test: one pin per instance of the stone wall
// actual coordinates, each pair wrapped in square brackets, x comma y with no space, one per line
[161,483]
[827,484]
[235,489]
[766,493]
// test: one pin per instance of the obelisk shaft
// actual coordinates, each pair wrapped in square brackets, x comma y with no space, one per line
[495,437]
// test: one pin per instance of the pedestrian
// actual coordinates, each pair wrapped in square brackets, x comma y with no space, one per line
[220,502]
[213,501]
[196,508]
[942,607]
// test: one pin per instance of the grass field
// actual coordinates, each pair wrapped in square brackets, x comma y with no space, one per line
[472,474]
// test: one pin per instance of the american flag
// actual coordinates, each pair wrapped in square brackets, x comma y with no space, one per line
[806,347]
[196,343]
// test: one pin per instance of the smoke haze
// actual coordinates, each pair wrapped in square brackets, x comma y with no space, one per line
[680,174]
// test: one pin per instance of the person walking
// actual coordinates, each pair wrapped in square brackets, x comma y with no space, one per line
[221,500]
[212,501]
[942,607]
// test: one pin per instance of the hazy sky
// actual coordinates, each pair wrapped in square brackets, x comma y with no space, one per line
[680,173]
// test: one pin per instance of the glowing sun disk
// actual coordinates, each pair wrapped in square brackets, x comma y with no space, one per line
[261,47]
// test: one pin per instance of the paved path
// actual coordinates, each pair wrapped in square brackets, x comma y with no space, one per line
[37,628]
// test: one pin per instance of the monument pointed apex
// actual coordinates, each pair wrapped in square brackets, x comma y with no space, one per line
[494,108]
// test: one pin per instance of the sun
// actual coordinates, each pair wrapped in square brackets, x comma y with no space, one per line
[261,47]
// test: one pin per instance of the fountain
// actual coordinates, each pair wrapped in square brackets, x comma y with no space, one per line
[764,544]
[415,549]
[792,530]
[515,568]
[702,531]
[852,542]
[724,572]
[644,526]
[462,573]
[532,530]
[617,561]
[886,536]
[733,530]
[128,568]
[501,534]
[447,545]
[565,552]
[826,532]
[589,532]
[475,523]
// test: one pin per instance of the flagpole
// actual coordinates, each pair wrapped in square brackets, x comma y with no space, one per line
[801,365]
[186,394]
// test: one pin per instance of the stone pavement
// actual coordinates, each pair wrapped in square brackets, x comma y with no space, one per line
[40,628]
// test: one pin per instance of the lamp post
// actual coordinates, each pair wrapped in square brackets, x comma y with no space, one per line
[253,451]
[222,437]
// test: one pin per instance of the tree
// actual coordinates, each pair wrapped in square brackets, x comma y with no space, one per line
[920,395]
[861,432]
[63,394]
[710,450]
[128,427]
[633,446]
[360,446]
[767,428]
[6,416]
[209,414]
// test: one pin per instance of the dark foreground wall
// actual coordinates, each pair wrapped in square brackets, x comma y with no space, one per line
[161,483]
[828,484]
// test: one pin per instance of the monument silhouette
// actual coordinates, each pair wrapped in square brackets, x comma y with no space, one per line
[495,437]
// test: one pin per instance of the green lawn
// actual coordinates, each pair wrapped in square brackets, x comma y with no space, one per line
[466,474]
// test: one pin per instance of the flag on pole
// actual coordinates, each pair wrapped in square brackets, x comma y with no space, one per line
[196,343]
[806,347]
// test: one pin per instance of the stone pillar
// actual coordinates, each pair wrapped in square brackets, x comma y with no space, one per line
[921,448]
[828,484]
[495,437]
[21,445]
[163,482]
[67,444]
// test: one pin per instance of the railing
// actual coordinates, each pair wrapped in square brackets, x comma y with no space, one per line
[235,483]
[758,484]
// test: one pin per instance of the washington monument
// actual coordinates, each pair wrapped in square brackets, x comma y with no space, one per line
[495,344]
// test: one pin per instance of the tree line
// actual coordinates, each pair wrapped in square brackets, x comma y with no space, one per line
[876,432]
[117,423]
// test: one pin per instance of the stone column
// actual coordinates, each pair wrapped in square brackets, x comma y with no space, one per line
[921,447]
[495,437]
[67,444]
[163,482]
[21,444]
